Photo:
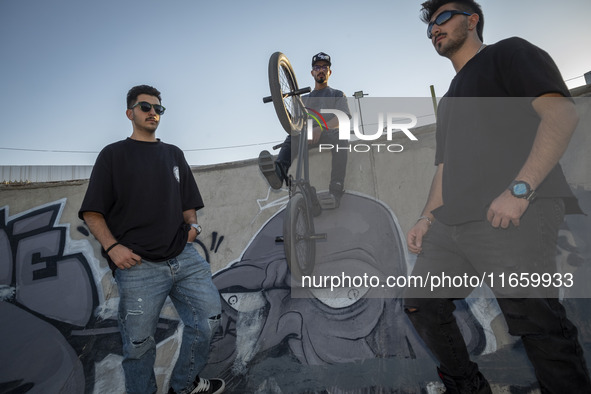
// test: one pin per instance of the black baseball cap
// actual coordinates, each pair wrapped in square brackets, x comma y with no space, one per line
[321,56]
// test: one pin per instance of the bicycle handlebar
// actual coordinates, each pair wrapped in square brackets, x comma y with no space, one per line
[298,92]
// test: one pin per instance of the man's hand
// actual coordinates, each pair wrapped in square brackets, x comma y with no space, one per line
[414,238]
[192,235]
[506,209]
[124,257]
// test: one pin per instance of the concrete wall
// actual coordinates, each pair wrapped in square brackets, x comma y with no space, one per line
[58,300]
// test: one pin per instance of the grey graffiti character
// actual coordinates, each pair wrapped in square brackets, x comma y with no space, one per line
[261,317]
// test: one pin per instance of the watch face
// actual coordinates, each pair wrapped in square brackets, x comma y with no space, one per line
[520,189]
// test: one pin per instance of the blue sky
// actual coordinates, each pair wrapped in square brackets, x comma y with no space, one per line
[67,65]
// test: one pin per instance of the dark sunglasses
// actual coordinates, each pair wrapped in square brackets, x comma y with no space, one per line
[146,107]
[442,18]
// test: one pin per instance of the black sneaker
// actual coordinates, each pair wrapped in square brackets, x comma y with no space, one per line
[475,385]
[208,386]
[270,170]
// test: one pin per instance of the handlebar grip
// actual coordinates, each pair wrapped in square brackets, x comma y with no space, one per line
[298,92]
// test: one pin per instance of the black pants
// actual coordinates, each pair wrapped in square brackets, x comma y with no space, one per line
[289,152]
[550,339]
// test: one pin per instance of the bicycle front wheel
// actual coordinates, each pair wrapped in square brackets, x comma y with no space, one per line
[298,241]
[283,84]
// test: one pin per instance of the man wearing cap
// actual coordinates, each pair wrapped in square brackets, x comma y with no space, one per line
[322,97]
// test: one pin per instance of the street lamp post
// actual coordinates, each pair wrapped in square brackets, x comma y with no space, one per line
[358,95]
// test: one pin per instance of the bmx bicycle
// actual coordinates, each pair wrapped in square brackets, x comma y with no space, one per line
[299,237]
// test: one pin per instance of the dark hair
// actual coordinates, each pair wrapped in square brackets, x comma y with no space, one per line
[141,89]
[431,6]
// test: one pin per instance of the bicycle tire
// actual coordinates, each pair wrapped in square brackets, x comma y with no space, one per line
[298,227]
[282,83]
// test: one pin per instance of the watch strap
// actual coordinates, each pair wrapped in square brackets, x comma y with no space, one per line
[197,227]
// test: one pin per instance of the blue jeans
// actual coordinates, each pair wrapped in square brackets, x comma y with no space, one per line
[143,290]
[549,338]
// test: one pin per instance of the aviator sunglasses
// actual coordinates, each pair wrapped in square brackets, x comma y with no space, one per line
[442,18]
[146,107]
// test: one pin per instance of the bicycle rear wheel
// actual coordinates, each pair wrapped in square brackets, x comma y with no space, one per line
[283,85]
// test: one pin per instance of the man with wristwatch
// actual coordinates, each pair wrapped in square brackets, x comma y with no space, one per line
[497,200]
[141,205]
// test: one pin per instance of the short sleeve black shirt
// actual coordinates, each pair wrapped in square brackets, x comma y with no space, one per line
[486,126]
[142,189]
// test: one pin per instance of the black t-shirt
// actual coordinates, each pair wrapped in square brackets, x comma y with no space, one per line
[142,189]
[486,126]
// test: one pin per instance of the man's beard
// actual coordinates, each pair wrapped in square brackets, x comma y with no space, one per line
[321,79]
[452,46]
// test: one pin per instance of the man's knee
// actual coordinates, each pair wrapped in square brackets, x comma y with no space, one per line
[414,305]
[139,347]
[429,309]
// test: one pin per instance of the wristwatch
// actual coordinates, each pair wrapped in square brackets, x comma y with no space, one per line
[197,227]
[522,189]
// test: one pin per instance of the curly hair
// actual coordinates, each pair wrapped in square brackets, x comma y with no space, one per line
[141,89]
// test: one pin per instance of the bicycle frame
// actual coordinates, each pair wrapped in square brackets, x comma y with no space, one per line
[303,164]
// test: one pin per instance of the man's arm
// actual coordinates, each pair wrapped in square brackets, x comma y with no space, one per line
[122,256]
[414,238]
[558,121]
[190,217]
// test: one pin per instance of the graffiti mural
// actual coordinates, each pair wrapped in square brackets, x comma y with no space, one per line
[58,305]
[262,321]
[58,332]
[272,342]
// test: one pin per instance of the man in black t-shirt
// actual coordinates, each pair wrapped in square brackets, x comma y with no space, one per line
[141,206]
[322,97]
[497,200]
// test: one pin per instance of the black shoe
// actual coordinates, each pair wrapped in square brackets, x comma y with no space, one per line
[477,384]
[208,386]
[270,170]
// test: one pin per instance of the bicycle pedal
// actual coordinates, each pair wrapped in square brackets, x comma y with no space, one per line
[319,237]
[327,201]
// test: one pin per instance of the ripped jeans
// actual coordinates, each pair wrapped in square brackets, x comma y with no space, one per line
[143,290]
